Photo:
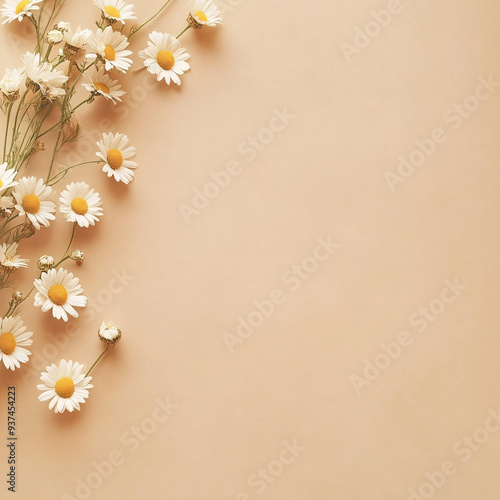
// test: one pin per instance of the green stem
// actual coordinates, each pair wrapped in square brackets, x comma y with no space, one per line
[62,173]
[69,244]
[134,30]
[98,359]
[183,31]
[9,111]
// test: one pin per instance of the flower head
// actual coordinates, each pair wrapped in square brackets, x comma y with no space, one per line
[11,83]
[109,333]
[15,9]
[13,340]
[7,176]
[110,47]
[203,13]
[9,258]
[102,84]
[41,75]
[65,385]
[75,41]
[115,152]
[6,204]
[165,57]
[115,10]
[80,204]
[55,36]
[78,256]
[45,263]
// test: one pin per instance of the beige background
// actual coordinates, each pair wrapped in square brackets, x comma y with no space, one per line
[322,176]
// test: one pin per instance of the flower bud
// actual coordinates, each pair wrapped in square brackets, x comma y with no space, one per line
[17,296]
[78,256]
[45,263]
[109,333]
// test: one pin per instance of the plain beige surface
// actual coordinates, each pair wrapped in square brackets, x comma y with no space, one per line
[321,176]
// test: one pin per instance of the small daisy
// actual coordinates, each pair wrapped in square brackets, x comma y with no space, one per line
[115,10]
[102,84]
[55,36]
[41,75]
[7,176]
[31,200]
[14,9]
[114,151]
[13,340]
[6,204]
[8,257]
[11,83]
[65,385]
[110,46]
[165,57]
[80,204]
[60,291]
[203,13]
[75,41]
[109,333]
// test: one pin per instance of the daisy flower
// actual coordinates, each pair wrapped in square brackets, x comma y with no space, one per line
[7,176]
[75,41]
[110,46]
[80,204]
[109,333]
[115,152]
[6,204]
[41,75]
[11,82]
[13,340]
[203,13]
[102,84]
[55,36]
[165,57]
[31,200]
[8,257]
[65,385]
[14,9]
[60,291]
[115,10]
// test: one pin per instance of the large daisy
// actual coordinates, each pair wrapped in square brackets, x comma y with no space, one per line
[115,152]
[80,204]
[41,75]
[15,9]
[115,10]
[203,13]
[9,258]
[31,200]
[11,83]
[165,57]
[102,84]
[110,46]
[13,340]
[7,176]
[65,385]
[61,292]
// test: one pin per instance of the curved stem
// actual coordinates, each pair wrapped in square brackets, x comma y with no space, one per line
[134,30]
[183,31]
[98,359]
[9,111]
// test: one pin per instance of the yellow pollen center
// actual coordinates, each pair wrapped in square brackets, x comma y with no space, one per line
[115,159]
[201,16]
[1,183]
[65,387]
[58,295]
[31,203]
[165,59]
[109,53]
[102,87]
[7,343]
[79,206]
[112,11]
[21,5]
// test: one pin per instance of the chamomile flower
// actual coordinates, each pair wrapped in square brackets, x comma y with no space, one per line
[13,340]
[75,41]
[110,47]
[165,57]
[102,84]
[80,204]
[31,200]
[109,333]
[8,258]
[15,9]
[11,83]
[115,152]
[115,10]
[203,13]
[60,291]
[41,75]
[65,385]
[7,176]
[6,204]
[55,36]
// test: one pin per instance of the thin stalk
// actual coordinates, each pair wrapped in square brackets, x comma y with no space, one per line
[98,359]
[133,31]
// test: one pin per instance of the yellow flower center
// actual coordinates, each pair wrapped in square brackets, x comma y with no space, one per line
[112,11]
[109,53]
[115,159]
[65,387]
[102,87]
[201,16]
[165,59]
[79,206]
[31,203]
[7,343]
[21,5]
[58,295]
[1,183]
